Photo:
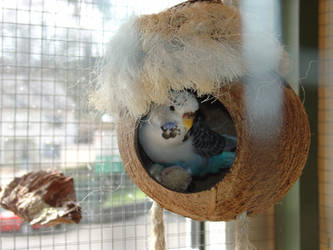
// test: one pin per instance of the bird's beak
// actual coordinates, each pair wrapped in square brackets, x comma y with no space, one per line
[188,119]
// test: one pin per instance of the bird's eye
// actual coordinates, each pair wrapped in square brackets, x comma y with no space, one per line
[172,108]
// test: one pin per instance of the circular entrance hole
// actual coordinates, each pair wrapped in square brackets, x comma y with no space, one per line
[216,118]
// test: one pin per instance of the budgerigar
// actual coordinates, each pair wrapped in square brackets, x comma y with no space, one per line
[176,135]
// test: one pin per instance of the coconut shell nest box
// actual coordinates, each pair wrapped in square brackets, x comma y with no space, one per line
[263,172]
[197,45]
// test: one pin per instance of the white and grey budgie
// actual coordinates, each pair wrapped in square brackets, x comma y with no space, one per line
[175,137]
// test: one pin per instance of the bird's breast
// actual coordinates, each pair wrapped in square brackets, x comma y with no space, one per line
[160,150]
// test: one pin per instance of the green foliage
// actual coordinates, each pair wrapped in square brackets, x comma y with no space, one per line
[124,196]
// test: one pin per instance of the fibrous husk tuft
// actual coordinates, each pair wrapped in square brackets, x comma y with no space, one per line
[195,45]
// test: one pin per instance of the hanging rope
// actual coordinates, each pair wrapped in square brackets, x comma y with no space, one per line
[158,237]
[242,241]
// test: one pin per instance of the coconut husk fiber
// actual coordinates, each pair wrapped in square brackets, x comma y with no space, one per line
[195,45]
[264,170]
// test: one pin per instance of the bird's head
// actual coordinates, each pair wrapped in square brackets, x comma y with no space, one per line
[184,104]
[175,119]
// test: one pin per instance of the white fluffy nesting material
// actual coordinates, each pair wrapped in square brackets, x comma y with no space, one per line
[190,46]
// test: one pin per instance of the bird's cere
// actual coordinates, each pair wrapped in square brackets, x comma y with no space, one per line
[168,126]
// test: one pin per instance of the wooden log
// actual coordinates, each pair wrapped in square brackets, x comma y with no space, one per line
[42,197]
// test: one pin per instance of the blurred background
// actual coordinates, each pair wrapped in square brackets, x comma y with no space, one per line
[49,52]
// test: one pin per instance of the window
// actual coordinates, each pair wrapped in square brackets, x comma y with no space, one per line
[48,53]
[49,50]
[18,152]
[51,151]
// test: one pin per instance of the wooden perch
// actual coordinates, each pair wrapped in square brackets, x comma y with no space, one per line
[42,197]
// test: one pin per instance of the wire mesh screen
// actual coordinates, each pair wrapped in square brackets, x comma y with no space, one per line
[49,50]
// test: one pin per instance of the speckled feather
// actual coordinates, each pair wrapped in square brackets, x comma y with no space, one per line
[206,142]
